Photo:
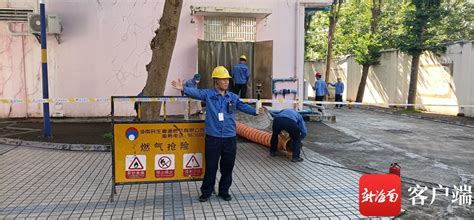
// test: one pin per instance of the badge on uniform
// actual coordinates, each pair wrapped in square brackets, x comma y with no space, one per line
[221,116]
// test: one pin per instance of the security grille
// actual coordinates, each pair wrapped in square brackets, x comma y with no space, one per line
[230,29]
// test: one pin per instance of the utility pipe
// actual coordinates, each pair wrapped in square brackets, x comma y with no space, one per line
[263,137]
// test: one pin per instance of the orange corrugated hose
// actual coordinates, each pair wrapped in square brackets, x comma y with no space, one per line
[262,137]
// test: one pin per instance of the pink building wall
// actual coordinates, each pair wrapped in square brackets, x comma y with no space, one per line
[105,46]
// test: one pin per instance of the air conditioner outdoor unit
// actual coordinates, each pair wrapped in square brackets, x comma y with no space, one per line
[53,24]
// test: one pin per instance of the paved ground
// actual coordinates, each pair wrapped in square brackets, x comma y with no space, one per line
[63,184]
[51,183]
[451,119]
[430,153]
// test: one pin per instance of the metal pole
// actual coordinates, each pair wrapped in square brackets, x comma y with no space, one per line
[113,191]
[44,62]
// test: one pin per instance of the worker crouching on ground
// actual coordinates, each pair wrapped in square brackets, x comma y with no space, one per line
[292,122]
[220,130]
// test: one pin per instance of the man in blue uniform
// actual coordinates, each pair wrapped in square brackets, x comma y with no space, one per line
[220,130]
[320,88]
[292,122]
[339,90]
[193,83]
[241,75]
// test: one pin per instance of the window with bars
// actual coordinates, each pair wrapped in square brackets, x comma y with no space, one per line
[230,29]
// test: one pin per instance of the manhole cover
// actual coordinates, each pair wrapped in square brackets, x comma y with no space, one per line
[462,138]
[398,131]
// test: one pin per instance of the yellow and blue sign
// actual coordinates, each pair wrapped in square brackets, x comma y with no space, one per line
[158,152]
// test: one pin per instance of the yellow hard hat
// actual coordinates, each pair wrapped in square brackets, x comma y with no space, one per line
[243,57]
[220,72]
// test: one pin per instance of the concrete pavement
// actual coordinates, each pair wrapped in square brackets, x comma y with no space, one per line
[49,183]
[430,153]
[44,183]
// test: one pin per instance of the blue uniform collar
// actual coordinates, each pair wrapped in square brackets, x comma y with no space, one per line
[216,93]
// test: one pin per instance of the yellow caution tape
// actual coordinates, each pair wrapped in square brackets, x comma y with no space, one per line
[186,99]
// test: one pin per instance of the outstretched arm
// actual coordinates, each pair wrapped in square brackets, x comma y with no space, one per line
[243,107]
[189,91]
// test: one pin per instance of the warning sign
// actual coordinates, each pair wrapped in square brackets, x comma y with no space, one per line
[192,164]
[135,166]
[154,152]
[164,165]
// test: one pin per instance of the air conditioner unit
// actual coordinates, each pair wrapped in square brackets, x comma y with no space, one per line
[53,24]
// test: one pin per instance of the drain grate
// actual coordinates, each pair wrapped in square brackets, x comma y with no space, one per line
[397,131]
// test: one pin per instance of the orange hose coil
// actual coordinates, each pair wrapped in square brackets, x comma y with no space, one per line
[262,137]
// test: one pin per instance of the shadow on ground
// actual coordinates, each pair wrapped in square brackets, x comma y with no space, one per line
[63,132]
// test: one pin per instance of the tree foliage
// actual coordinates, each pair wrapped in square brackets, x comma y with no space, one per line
[422,27]
[458,23]
[452,22]
[316,37]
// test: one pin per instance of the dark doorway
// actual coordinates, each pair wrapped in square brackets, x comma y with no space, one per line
[259,58]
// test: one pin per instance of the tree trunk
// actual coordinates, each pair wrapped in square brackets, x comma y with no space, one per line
[333,17]
[329,53]
[363,82]
[162,46]
[376,11]
[413,81]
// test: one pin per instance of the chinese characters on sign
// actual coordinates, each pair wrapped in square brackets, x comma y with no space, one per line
[145,147]
[184,145]
[461,195]
[174,132]
[380,195]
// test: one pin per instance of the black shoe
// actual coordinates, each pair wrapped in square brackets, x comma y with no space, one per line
[204,198]
[273,154]
[295,160]
[225,197]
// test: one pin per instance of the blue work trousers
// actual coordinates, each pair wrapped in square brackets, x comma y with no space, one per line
[224,149]
[285,124]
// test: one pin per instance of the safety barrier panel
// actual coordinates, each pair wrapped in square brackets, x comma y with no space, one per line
[156,151]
